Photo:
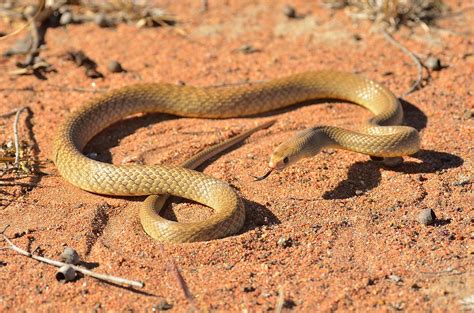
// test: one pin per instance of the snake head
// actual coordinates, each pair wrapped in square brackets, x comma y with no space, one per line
[304,144]
[287,154]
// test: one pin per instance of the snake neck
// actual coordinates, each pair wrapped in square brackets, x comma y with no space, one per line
[405,141]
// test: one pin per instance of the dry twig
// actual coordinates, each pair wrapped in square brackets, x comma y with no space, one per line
[17,113]
[104,277]
[181,282]
[15,134]
[41,5]
[280,302]
[412,56]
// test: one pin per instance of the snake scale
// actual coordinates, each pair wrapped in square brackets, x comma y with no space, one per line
[381,136]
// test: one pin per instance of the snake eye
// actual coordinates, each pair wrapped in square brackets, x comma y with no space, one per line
[286,160]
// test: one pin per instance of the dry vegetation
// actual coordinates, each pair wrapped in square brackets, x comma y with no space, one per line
[392,13]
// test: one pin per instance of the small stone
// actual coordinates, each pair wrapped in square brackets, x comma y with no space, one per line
[463,180]
[433,63]
[358,192]
[395,278]
[163,305]
[102,21]
[248,289]
[284,242]
[289,11]
[66,18]
[70,256]
[141,23]
[93,73]
[115,67]
[427,217]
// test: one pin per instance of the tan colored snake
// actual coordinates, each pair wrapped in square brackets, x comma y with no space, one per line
[379,137]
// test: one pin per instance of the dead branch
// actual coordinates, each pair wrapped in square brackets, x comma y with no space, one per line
[16,137]
[104,277]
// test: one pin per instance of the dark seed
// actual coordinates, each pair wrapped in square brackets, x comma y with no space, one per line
[115,67]
[102,20]
[433,63]
[289,11]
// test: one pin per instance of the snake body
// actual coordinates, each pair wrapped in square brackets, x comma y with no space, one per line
[378,137]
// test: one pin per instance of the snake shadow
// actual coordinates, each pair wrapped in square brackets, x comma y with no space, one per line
[366,175]
[112,135]
[257,215]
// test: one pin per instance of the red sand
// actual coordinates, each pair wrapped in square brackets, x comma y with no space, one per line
[353,239]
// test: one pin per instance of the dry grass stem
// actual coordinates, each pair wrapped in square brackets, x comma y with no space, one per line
[412,56]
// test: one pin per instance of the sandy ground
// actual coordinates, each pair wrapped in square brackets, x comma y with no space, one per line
[351,240]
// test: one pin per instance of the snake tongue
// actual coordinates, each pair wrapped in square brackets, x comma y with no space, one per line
[259,178]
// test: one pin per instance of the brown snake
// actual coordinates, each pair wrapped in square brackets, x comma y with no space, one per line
[379,137]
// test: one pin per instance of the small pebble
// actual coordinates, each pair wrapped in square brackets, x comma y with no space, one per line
[427,217]
[433,63]
[395,278]
[289,11]
[93,73]
[102,21]
[115,67]
[66,18]
[70,256]
[358,192]
[284,242]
